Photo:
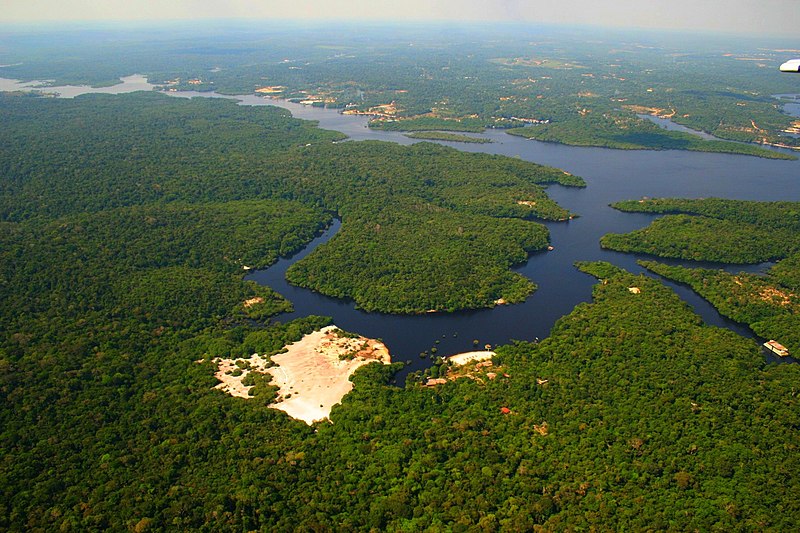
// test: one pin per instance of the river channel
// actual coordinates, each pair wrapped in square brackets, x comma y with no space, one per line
[611,175]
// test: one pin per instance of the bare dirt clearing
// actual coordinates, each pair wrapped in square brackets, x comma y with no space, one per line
[312,375]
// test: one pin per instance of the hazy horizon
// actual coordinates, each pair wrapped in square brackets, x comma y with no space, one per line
[767,18]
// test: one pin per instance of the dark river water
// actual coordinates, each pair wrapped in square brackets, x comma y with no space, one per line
[611,175]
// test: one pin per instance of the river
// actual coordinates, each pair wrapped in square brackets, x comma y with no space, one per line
[611,175]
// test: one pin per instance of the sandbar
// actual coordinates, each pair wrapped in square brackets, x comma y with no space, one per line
[468,357]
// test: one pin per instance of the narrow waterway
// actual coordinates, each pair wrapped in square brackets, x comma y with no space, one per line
[668,125]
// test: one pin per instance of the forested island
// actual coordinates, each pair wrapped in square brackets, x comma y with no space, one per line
[445,136]
[713,229]
[641,135]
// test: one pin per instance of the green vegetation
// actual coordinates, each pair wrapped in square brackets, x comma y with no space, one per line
[390,261]
[200,154]
[637,134]
[787,272]
[726,231]
[161,265]
[125,224]
[585,89]
[777,215]
[138,149]
[703,239]
[444,136]
[632,414]
[771,309]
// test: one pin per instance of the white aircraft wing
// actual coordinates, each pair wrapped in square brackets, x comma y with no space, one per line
[793,65]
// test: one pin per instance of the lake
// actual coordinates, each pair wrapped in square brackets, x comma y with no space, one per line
[611,175]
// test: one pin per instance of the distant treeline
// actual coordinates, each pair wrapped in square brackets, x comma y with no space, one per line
[577,88]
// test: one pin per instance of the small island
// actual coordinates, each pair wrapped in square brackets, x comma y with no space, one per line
[445,136]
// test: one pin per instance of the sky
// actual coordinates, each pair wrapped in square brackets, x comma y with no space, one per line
[756,17]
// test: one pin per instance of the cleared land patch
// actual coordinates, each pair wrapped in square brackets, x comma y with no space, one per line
[312,374]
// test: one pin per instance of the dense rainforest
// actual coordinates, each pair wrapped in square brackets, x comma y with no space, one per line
[728,231]
[767,304]
[712,229]
[126,223]
[415,219]
[632,414]
[570,86]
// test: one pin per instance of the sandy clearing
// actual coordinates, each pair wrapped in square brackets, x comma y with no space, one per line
[468,357]
[312,375]
[271,89]
[644,110]
[473,365]
[794,128]
[253,301]
[233,384]
[775,296]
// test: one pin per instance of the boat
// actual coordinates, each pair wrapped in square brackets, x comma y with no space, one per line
[776,348]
